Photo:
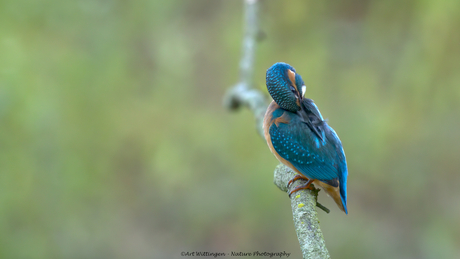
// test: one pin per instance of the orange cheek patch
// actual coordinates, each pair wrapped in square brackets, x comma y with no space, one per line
[291,76]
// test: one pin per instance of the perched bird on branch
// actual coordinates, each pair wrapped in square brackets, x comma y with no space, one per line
[300,138]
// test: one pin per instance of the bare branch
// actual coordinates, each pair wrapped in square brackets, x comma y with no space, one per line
[304,213]
[244,93]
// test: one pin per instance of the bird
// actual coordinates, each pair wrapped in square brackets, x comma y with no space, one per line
[300,138]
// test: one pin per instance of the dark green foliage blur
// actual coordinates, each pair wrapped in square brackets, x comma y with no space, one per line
[114,142]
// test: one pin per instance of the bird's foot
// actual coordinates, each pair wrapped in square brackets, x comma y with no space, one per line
[302,187]
[295,178]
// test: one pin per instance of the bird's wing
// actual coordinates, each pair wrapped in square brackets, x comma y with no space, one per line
[311,107]
[314,158]
[311,116]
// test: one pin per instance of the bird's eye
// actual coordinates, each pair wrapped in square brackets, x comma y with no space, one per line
[292,88]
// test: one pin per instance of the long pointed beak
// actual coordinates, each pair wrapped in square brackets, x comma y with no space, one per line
[300,95]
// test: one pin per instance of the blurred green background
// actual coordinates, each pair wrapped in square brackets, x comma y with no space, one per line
[114,142]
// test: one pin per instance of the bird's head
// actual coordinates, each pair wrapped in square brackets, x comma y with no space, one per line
[285,86]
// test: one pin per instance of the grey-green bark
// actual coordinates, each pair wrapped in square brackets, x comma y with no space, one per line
[306,221]
[303,203]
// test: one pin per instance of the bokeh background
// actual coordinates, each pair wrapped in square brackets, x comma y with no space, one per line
[114,142]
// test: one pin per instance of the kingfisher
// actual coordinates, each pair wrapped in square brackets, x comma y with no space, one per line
[300,138]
